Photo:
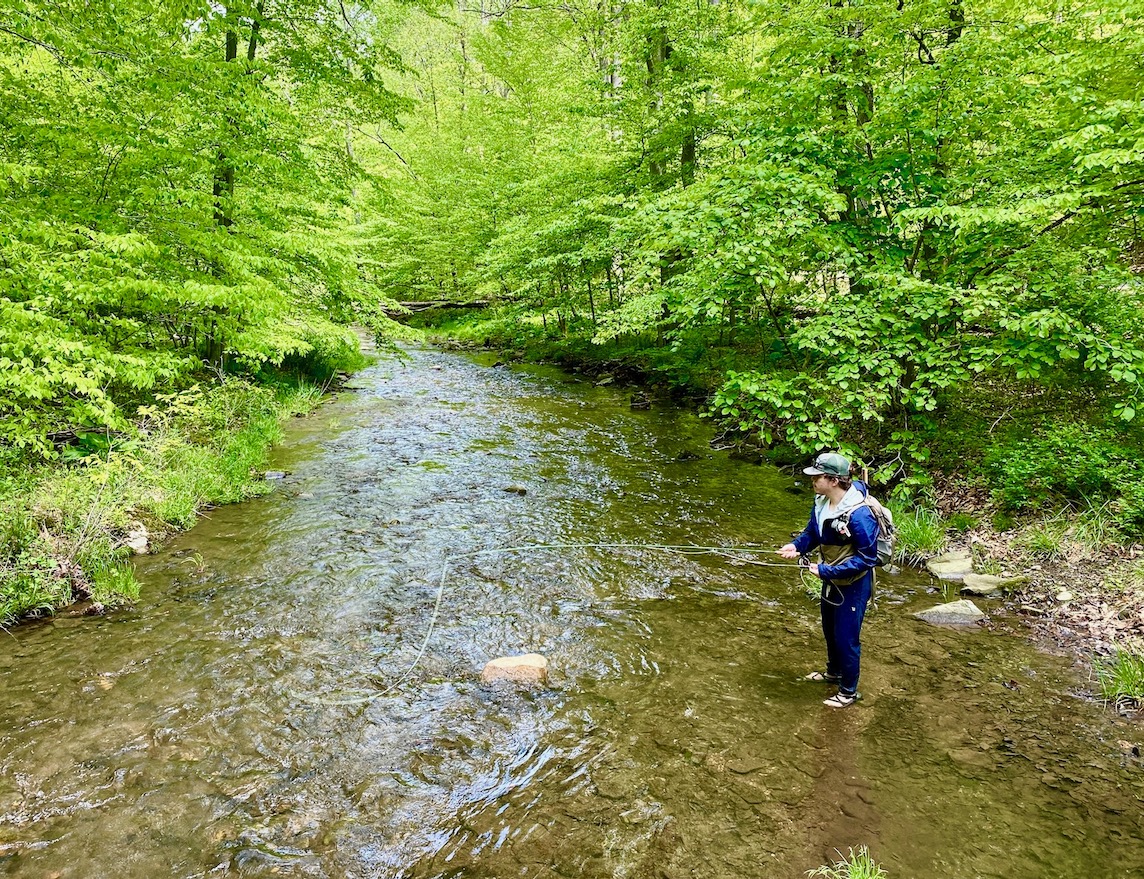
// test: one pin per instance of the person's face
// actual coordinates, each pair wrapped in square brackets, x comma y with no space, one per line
[821,483]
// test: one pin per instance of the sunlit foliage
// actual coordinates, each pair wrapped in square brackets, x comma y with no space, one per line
[176,194]
[878,205]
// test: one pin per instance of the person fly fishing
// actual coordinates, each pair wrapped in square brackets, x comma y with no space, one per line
[845,531]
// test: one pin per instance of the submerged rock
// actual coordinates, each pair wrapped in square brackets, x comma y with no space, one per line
[956,613]
[275,474]
[951,566]
[531,668]
[516,488]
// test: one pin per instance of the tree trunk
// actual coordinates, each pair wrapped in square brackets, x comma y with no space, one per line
[687,156]
[223,189]
[956,22]
[255,27]
[353,161]
[658,51]
[857,213]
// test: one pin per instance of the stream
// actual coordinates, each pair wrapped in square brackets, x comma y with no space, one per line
[255,714]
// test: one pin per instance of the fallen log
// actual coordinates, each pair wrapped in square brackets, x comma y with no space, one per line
[443,303]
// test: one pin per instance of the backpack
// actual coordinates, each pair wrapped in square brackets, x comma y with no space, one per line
[887,533]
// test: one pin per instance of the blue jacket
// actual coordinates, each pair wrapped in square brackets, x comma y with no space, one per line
[863,528]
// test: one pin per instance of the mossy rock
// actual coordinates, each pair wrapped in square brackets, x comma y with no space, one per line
[989,584]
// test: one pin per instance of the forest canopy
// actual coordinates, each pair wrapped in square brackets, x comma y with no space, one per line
[176,195]
[852,223]
[861,216]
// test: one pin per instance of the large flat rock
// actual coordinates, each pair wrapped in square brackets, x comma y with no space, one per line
[988,584]
[956,613]
[531,668]
[951,565]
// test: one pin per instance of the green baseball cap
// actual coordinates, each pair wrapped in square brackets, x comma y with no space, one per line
[829,464]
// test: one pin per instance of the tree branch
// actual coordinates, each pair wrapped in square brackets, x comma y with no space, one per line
[382,141]
[56,53]
[922,47]
[1059,221]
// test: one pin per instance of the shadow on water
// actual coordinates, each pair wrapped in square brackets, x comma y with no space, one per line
[237,722]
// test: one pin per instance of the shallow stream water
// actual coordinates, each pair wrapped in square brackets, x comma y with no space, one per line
[243,719]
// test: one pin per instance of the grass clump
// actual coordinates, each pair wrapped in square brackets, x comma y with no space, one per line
[1045,540]
[921,533]
[1120,677]
[858,865]
[1097,525]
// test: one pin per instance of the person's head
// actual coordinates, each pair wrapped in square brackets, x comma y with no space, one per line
[830,471]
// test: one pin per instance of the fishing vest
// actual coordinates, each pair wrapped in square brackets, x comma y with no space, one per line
[834,554]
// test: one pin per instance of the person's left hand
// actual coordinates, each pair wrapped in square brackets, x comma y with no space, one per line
[813,568]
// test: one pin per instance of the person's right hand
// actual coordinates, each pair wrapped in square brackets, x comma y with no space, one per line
[789,552]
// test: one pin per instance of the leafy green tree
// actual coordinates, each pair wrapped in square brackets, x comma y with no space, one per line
[175,192]
[874,207]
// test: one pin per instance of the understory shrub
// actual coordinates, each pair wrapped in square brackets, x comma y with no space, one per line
[1059,463]
[328,349]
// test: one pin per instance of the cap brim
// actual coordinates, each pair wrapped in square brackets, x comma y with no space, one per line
[813,471]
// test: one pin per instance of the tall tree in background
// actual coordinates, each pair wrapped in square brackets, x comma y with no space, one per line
[174,190]
[880,202]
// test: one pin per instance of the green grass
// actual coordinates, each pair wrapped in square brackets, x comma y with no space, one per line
[1126,579]
[859,865]
[1096,527]
[985,564]
[1120,678]
[63,523]
[921,533]
[1045,540]
[29,586]
[114,584]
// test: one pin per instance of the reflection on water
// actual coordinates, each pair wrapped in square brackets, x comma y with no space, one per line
[239,721]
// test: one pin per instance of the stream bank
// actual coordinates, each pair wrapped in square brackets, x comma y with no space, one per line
[69,528]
